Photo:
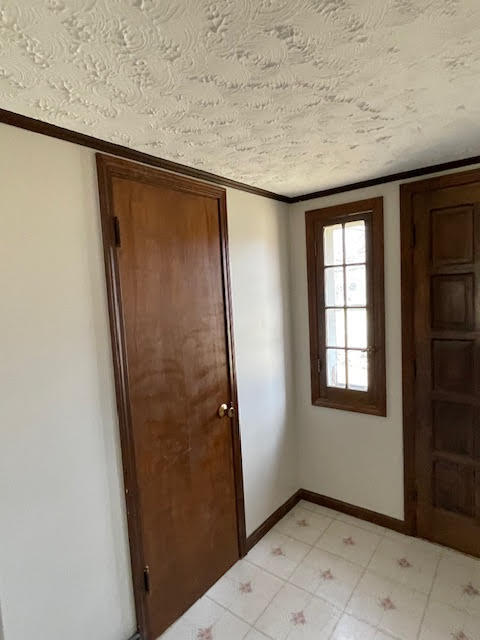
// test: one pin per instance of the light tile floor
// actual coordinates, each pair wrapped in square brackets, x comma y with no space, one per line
[320,575]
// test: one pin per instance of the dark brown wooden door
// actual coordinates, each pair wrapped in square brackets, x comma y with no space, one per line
[447,351]
[171,271]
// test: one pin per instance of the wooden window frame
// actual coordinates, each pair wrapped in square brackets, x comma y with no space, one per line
[372,401]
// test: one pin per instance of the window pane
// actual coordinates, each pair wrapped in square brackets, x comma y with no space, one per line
[333,244]
[335,327]
[356,286]
[355,241]
[336,368]
[334,296]
[357,328]
[357,370]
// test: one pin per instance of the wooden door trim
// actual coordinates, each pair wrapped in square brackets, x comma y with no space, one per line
[407,238]
[109,168]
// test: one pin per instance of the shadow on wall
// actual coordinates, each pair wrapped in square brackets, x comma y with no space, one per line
[258,246]
[113,473]
[2,637]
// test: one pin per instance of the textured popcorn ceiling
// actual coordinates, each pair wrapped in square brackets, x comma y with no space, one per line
[287,95]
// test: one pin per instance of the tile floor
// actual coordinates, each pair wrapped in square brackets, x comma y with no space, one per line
[319,574]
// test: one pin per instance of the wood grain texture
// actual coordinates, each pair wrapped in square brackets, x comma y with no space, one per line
[441,347]
[407,242]
[170,304]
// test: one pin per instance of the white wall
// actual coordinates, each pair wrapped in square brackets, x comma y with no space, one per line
[262,329]
[63,548]
[350,456]
[63,544]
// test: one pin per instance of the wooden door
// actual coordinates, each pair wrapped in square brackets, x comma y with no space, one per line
[446,265]
[165,243]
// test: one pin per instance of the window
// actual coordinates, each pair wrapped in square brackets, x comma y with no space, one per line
[346,306]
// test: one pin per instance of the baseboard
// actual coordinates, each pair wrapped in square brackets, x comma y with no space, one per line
[332,503]
[358,512]
[272,520]
[136,636]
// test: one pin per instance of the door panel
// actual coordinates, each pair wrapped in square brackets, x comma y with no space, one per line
[178,370]
[446,270]
[452,235]
[452,301]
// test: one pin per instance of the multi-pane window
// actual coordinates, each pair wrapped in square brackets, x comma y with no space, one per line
[345,260]
[346,305]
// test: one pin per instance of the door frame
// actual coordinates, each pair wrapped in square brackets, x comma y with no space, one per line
[108,169]
[407,238]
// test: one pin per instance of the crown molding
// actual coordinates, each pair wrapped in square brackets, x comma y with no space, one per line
[392,177]
[54,131]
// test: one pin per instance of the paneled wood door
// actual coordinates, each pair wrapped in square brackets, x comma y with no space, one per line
[446,315]
[167,274]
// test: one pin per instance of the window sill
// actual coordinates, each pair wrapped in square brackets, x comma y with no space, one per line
[369,409]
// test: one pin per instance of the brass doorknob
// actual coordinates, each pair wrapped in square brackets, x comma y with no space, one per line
[225,410]
[222,410]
